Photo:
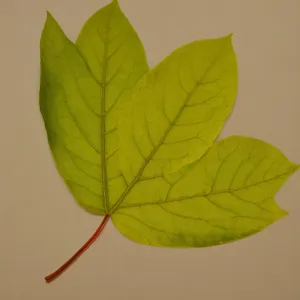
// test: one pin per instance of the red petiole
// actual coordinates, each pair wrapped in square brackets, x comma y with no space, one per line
[55,274]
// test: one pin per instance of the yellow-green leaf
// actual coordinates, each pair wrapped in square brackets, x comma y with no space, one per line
[163,182]
[226,195]
[177,109]
[82,87]
[139,147]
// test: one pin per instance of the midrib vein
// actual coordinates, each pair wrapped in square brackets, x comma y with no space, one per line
[103,123]
[154,150]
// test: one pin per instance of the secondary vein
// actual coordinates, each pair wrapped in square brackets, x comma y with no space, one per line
[154,150]
[200,195]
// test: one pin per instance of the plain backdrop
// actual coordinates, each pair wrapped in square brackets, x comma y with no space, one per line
[41,225]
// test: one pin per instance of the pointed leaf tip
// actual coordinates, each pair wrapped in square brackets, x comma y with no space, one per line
[116,3]
[49,16]
[229,36]
[226,38]
[49,20]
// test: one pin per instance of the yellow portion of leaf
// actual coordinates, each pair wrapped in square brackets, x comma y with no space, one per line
[226,195]
[178,109]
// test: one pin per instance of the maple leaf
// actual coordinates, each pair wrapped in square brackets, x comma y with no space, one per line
[137,146]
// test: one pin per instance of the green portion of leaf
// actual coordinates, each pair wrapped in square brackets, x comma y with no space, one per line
[81,88]
[225,196]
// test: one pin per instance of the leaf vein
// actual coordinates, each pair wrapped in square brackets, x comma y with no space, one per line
[192,218]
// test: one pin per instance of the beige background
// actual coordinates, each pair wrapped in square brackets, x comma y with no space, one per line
[41,225]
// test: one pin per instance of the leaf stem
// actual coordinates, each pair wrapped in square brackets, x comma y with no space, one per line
[60,270]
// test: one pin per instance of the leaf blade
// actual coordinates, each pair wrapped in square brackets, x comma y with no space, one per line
[216,201]
[76,107]
[116,58]
[65,107]
[154,137]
